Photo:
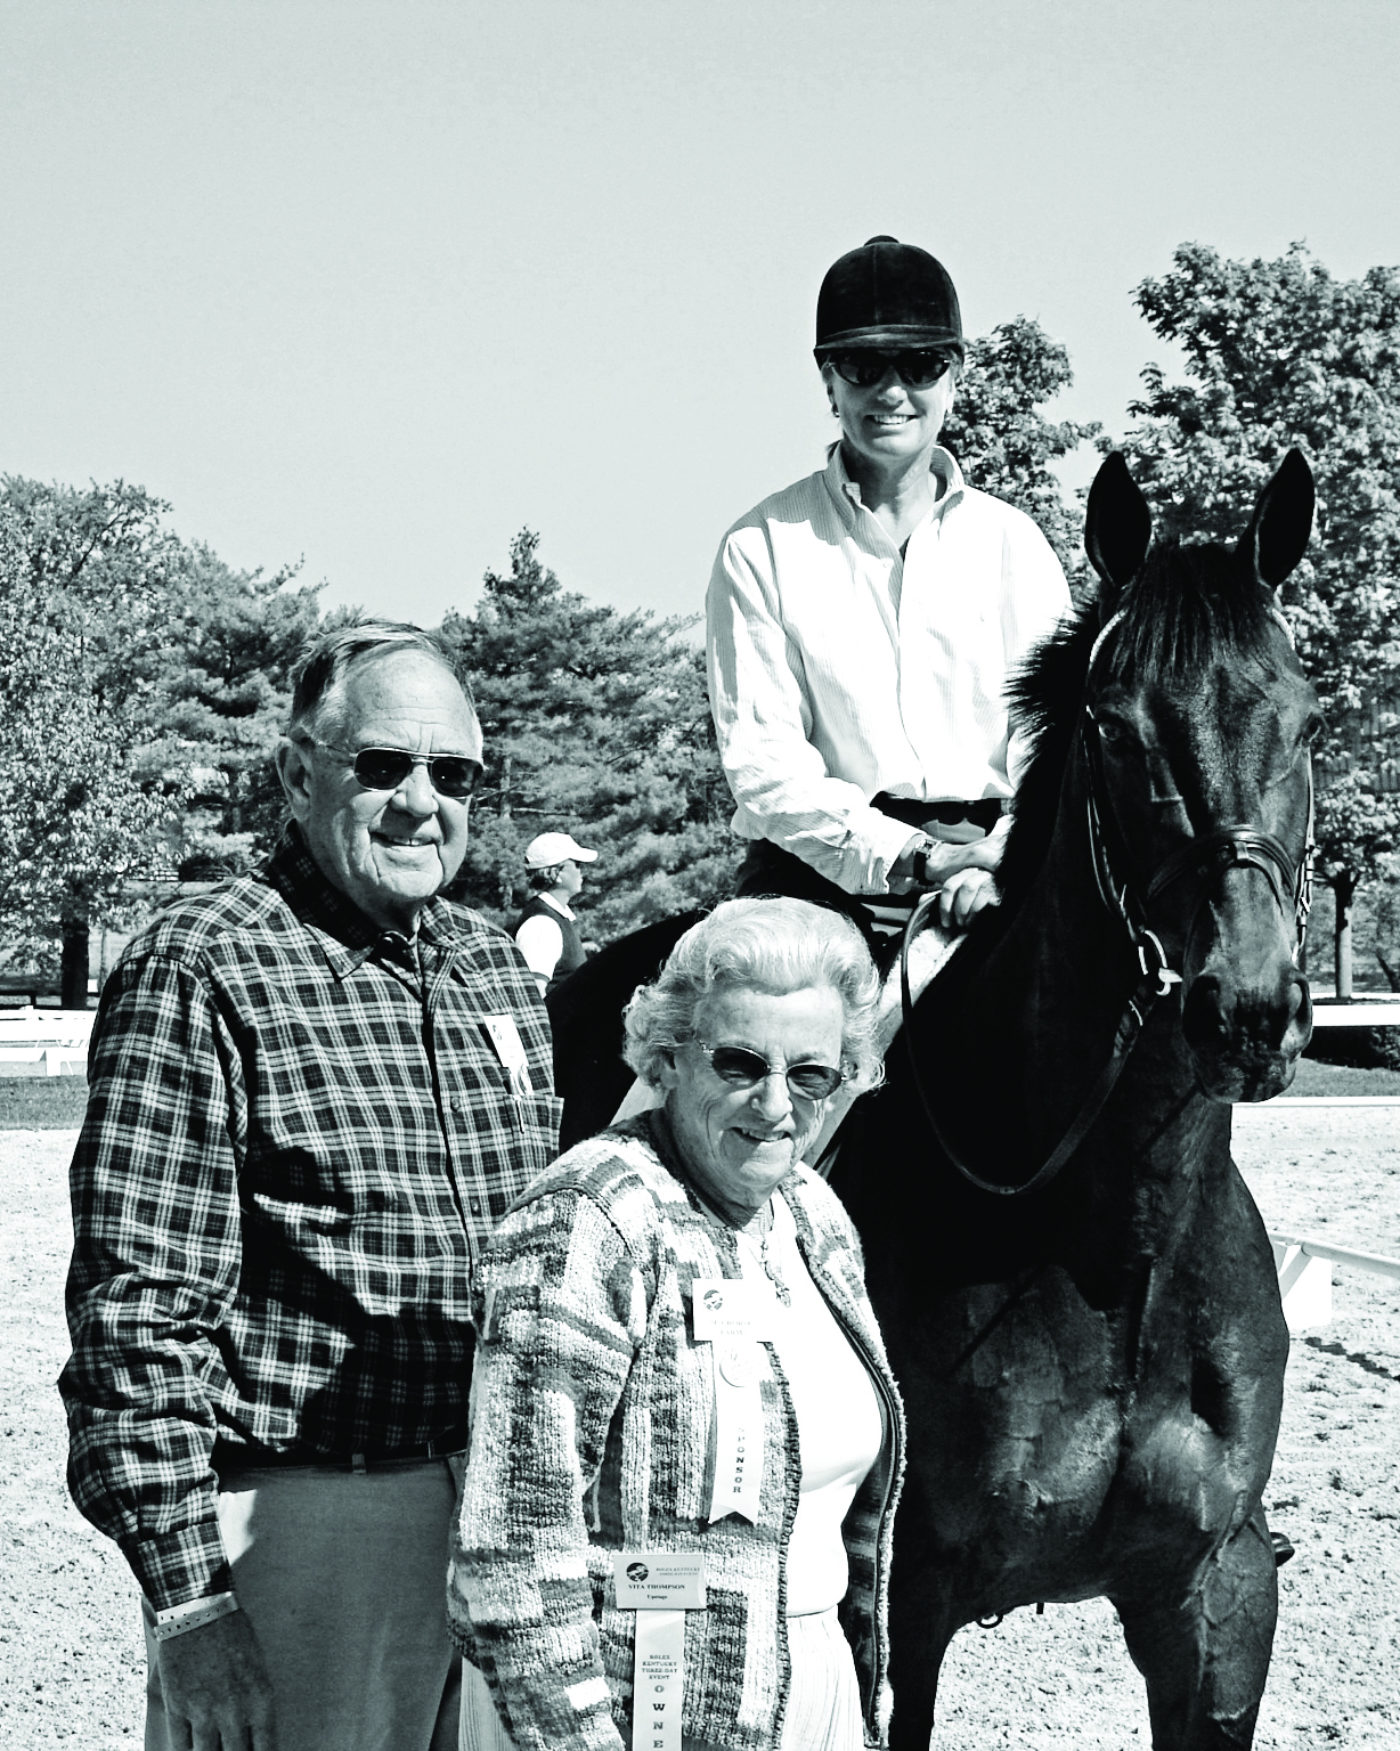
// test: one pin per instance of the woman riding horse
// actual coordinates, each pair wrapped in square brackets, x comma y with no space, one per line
[862,625]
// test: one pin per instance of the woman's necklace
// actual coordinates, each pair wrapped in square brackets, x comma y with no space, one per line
[753,1241]
[759,1249]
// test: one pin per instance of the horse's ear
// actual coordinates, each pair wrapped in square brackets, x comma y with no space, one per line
[1117,526]
[1277,536]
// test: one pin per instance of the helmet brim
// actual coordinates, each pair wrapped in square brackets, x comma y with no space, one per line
[887,335]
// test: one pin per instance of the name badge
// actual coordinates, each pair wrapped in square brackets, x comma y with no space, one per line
[510,1049]
[732,1310]
[659,1580]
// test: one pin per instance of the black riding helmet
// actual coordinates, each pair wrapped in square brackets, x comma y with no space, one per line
[887,294]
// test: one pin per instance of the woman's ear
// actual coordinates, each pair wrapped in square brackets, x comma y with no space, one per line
[667,1075]
[827,374]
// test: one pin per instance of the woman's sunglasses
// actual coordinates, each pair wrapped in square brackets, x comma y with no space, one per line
[452,775]
[741,1068]
[863,369]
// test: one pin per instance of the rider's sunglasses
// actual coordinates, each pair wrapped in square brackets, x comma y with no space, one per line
[741,1068]
[452,775]
[919,368]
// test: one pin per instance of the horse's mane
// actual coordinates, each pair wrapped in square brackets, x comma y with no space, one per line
[1186,605]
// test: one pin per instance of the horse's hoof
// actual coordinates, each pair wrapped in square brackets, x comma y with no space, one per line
[1283,1548]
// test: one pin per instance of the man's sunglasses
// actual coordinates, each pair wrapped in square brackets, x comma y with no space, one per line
[917,369]
[741,1068]
[452,775]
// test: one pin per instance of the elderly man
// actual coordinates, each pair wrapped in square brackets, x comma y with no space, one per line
[864,622]
[314,1091]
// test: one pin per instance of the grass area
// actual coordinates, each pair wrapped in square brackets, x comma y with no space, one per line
[1315,1080]
[42,1103]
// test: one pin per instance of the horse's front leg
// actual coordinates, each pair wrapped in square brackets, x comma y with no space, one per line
[921,1627]
[1205,1657]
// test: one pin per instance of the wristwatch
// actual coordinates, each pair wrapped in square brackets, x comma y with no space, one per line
[919,864]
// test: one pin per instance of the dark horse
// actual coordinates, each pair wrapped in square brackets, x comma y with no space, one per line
[1093,1369]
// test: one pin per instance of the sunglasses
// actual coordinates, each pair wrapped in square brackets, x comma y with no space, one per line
[741,1068]
[452,775]
[918,369]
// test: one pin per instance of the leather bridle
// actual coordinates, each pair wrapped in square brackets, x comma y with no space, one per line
[1237,847]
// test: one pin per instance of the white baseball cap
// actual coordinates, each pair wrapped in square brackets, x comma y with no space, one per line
[551,848]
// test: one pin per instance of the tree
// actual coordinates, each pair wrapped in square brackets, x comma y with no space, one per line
[1003,441]
[220,698]
[1279,353]
[82,806]
[597,722]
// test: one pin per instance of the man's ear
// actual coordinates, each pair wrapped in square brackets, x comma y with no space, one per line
[294,770]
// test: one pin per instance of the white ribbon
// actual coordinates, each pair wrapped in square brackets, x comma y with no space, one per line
[658,1681]
[739,1367]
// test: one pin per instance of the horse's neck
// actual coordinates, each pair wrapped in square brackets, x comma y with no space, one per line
[1030,1022]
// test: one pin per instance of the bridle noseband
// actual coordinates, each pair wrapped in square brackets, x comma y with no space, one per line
[1237,847]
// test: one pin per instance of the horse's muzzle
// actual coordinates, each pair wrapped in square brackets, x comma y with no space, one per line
[1246,1042]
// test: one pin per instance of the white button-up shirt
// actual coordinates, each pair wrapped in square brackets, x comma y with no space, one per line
[840,668]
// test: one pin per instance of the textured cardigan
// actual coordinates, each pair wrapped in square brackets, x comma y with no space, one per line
[592,1433]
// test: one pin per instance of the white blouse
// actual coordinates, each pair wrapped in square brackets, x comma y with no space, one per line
[839,1419]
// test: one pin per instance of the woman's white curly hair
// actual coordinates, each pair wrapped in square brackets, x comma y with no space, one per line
[774,945]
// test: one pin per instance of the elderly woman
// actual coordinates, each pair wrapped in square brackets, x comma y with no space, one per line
[863,624]
[686,1443]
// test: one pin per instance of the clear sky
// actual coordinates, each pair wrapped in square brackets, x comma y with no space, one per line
[377,282]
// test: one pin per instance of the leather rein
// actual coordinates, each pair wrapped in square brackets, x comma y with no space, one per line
[1238,847]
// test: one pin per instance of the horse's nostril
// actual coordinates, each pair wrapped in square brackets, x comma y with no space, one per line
[1203,1022]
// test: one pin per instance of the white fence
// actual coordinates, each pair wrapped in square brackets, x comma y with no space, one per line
[53,1042]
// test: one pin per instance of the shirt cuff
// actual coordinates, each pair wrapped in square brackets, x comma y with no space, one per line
[173,1568]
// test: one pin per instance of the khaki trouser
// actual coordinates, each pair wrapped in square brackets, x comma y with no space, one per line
[342,1577]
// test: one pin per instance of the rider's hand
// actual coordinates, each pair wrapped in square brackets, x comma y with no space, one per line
[964,895]
[941,862]
[216,1689]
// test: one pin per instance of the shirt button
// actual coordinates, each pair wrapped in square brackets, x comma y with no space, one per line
[476,1206]
[456,1103]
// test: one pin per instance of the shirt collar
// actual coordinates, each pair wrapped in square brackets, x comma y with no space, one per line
[846,493]
[347,936]
[558,905]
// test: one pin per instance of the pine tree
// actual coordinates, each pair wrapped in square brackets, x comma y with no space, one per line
[595,722]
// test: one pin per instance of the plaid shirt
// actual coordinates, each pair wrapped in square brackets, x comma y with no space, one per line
[301,1130]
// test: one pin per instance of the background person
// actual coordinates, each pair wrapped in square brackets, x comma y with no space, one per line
[313,1091]
[863,623]
[598,1398]
[546,932]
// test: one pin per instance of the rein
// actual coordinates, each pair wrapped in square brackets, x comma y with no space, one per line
[1236,847]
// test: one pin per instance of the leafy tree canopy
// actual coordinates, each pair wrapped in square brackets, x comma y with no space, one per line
[82,806]
[1002,440]
[1280,353]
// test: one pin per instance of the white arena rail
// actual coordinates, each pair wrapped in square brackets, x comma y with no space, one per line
[1305,1275]
[54,1041]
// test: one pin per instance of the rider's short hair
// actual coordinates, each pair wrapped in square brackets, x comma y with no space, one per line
[774,945]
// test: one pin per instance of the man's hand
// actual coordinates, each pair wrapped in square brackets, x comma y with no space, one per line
[216,1689]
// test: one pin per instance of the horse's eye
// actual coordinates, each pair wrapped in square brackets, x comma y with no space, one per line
[1116,736]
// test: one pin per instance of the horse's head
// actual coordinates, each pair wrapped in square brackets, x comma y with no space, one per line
[1197,727]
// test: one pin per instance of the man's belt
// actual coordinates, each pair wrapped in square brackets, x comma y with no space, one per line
[248,1456]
